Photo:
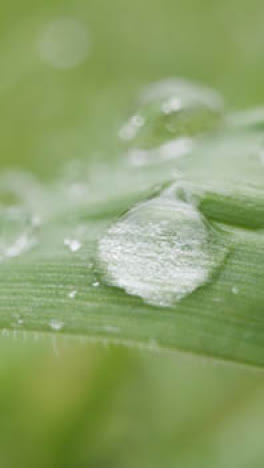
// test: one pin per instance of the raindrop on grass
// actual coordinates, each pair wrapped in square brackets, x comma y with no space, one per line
[72,294]
[17,232]
[73,244]
[172,109]
[56,325]
[160,250]
[235,290]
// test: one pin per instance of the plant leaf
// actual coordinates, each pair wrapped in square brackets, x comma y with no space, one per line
[223,318]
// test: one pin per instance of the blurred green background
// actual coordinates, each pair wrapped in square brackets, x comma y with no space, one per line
[84,405]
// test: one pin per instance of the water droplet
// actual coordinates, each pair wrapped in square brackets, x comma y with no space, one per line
[159,251]
[72,294]
[235,290]
[17,233]
[20,321]
[73,244]
[172,109]
[96,284]
[63,43]
[56,324]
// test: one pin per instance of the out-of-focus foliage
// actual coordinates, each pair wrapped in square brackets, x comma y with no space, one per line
[86,405]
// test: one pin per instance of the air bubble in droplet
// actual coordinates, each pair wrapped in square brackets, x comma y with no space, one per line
[56,324]
[159,251]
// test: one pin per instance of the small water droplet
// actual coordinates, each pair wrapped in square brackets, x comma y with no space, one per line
[235,290]
[56,324]
[17,233]
[20,321]
[172,109]
[96,284]
[63,43]
[73,244]
[72,294]
[159,251]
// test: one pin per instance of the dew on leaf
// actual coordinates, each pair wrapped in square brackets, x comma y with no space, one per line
[171,109]
[56,324]
[73,244]
[72,294]
[159,250]
[17,233]
[235,290]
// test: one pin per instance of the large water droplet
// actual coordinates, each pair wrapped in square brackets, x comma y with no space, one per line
[160,250]
[172,109]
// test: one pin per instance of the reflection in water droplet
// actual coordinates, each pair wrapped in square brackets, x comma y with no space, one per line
[159,251]
[173,149]
[56,324]
[63,43]
[129,130]
[73,244]
[17,233]
[172,109]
